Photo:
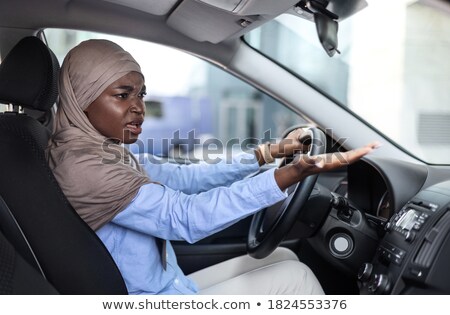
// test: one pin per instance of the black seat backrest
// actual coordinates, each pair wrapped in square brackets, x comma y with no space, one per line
[17,276]
[68,252]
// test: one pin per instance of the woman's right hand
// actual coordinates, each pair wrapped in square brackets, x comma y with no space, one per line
[305,165]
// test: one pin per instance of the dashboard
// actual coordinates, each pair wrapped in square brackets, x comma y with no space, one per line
[396,235]
[414,254]
[369,191]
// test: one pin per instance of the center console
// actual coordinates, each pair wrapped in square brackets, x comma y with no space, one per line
[414,255]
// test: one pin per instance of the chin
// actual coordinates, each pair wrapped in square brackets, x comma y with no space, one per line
[128,137]
[130,140]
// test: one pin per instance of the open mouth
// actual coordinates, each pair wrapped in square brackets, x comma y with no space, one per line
[135,127]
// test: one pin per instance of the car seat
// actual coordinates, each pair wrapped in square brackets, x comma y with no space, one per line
[36,220]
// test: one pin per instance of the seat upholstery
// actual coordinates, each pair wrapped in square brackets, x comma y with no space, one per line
[17,276]
[29,75]
[70,255]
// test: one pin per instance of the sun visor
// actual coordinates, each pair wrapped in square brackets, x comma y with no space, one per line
[250,7]
[155,7]
[215,21]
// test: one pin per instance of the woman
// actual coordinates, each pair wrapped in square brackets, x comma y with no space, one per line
[134,205]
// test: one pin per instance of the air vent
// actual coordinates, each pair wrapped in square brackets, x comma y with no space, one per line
[433,241]
[434,128]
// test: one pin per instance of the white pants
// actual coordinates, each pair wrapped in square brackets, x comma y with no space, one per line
[279,273]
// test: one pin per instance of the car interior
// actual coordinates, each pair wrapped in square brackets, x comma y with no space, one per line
[378,226]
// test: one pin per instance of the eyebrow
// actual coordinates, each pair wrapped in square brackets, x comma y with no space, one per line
[124,87]
[129,88]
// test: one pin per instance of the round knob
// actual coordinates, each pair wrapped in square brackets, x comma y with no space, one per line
[379,284]
[410,236]
[364,272]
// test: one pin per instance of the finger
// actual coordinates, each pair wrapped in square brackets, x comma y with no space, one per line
[354,155]
[296,134]
[323,162]
[374,145]
[330,161]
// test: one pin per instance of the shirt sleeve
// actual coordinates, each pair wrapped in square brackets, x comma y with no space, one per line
[195,178]
[163,212]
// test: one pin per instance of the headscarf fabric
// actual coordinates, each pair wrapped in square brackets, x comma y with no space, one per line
[98,175]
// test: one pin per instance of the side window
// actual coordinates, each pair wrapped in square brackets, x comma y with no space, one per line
[191,104]
[153,109]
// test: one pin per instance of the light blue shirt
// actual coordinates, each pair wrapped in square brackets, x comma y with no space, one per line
[192,202]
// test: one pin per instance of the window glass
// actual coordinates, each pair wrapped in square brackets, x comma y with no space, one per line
[393,70]
[189,101]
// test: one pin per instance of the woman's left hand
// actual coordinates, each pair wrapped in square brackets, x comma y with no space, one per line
[287,147]
[290,145]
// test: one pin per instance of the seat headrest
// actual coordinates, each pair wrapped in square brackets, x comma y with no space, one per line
[29,75]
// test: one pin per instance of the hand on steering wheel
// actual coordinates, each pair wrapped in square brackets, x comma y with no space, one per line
[270,225]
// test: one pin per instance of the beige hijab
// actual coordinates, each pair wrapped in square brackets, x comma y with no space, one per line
[98,175]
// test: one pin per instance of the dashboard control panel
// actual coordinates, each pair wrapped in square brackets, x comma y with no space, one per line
[406,257]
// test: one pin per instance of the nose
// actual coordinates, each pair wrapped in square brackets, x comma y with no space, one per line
[138,107]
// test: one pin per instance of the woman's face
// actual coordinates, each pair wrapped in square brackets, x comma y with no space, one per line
[118,113]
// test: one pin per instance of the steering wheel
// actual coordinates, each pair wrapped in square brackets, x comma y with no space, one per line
[270,225]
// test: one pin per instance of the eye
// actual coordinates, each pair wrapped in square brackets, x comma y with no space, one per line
[122,95]
[142,94]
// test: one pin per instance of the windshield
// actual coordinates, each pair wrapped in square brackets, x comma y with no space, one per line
[393,70]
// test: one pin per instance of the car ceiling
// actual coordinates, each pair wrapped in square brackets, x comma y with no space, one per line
[189,24]
[202,20]
[206,27]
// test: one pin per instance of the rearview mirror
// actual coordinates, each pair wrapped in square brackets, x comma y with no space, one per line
[327,21]
[327,29]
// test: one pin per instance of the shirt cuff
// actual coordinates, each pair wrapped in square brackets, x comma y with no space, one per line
[266,190]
